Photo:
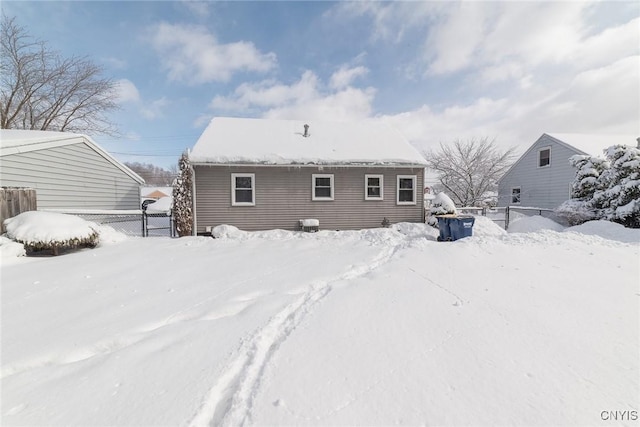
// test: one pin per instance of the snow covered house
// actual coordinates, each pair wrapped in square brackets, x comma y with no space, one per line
[259,174]
[68,171]
[542,176]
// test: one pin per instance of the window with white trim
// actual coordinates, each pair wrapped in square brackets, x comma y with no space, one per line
[515,195]
[243,189]
[373,187]
[544,157]
[406,190]
[321,187]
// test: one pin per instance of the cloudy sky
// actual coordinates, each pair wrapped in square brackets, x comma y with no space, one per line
[436,70]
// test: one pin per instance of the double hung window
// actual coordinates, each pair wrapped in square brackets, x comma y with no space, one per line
[515,195]
[544,157]
[373,187]
[243,189]
[322,187]
[406,190]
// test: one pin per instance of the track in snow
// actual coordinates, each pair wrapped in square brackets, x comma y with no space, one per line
[230,400]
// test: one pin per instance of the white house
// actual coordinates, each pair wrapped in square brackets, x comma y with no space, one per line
[68,171]
[542,176]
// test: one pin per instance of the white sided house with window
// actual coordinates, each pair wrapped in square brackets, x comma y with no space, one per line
[542,177]
[259,174]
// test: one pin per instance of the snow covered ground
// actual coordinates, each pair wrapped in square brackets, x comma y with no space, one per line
[375,327]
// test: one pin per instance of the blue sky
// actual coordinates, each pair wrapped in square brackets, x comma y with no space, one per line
[437,71]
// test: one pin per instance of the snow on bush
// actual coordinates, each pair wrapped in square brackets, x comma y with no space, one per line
[226,231]
[619,196]
[575,212]
[606,189]
[11,249]
[38,230]
[443,205]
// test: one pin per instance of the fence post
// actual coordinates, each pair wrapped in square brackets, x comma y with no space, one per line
[506,218]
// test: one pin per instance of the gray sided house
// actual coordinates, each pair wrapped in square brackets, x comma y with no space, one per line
[258,174]
[68,171]
[542,177]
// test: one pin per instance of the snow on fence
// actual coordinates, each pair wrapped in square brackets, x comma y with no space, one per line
[503,214]
[130,222]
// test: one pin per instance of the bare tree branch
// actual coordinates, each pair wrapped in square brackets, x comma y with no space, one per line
[468,170]
[40,90]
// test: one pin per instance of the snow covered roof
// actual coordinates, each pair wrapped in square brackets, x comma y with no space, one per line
[282,142]
[594,144]
[15,141]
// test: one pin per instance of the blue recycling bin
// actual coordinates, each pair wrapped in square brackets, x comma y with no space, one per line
[455,227]
[461,227]
[443,227]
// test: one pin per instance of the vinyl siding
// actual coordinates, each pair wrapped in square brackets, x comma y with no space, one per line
[70,176]
[283,197]
[545,187]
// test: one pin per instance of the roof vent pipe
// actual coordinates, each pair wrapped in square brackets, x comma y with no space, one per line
[306,131]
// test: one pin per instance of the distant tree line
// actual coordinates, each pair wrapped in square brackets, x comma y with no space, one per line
[154,175]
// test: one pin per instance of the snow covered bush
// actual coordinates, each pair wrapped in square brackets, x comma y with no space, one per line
[441,205]
[605,188]
[576,212]
[183,199]
[39,231]
[618,198]
[588,171]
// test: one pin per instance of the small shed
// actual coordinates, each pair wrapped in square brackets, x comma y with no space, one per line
[68,171]
[542,176]
[259,174]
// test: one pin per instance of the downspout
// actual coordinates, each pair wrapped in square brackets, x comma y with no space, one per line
[194,229]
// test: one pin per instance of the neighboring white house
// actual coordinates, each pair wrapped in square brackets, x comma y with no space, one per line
[542,176]
[68,171]
[259,174]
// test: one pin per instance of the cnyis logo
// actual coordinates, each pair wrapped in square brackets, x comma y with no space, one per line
[619,415]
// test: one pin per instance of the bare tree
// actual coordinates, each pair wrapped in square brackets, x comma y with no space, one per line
[469,170]
[41,90]
[152,174]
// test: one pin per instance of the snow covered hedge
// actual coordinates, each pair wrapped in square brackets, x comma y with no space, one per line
[605,188]
[183,199]
[441,205]
[39,231]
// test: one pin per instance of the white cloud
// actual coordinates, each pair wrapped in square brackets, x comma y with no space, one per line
[154,109]
[197,7]
[345,75]
[305,98]
[348,104]
[269,93]
[389,20]
[603,100]
[453,41]
[193,55]
[126,91]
